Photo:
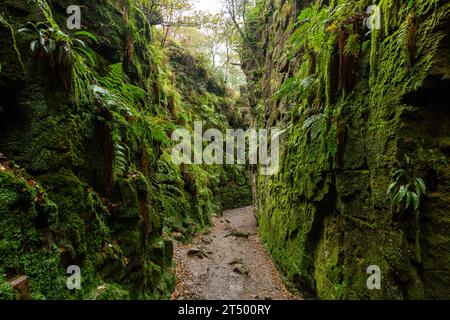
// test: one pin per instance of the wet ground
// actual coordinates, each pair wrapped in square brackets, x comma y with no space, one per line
[228,263]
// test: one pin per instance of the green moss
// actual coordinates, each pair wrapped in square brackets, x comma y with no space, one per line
[325,217]
[103,168]
[22,241]
[110,291]
[6,291]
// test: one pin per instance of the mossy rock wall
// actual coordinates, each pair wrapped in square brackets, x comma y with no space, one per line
[86,176]
[325,217]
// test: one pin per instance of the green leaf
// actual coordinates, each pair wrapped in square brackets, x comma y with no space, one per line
[288,87]
[315,125]
[352,46]
[39,25]
[416,200]
[79,43]
[332,144]
[395,198]
[35,27]
[391,187]
[399,174]
[33,45]
[87,34]
[87,54]
[408,200]
[402,193]
[51,45]
[421,185]
[24,30]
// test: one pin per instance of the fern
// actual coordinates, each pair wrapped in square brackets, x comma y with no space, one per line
[123,99]
[310,31]
[170,187]
[155,129]
[120,158]
[115,76]
[117,82]
[407,39]
[295,86]
[314,125]
[70,57]
[82,78]
[352,46]
[289,86]
[332,143]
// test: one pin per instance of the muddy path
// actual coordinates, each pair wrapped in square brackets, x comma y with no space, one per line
[228,263]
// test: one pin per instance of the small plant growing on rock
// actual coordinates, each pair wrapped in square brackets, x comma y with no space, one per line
[406,190]
[69,58]
[60,50]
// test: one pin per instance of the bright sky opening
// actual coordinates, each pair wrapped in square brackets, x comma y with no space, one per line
[211,6]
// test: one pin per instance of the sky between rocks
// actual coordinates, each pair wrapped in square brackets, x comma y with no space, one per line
[211,6]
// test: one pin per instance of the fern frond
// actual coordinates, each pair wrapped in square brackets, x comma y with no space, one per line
[289,86]
[120,158]
[315,125]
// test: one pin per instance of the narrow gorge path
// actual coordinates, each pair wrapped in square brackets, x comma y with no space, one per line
[228,263]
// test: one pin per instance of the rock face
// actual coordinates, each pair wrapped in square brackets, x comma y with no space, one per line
[86,176]
[358,106]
